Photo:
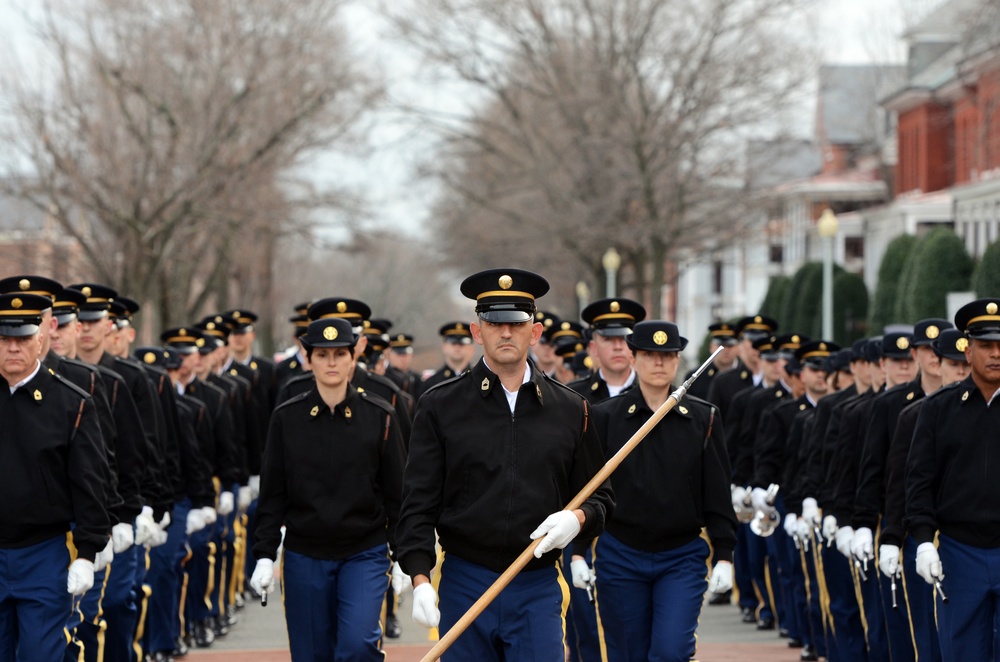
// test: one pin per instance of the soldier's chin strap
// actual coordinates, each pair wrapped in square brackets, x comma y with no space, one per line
[605,472]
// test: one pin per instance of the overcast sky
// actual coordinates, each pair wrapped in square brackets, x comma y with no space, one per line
[846,31]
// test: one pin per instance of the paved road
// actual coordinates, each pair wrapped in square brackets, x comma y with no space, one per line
[261,637]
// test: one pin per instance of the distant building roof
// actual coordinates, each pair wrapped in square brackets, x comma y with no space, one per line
[771,162]
[848,112]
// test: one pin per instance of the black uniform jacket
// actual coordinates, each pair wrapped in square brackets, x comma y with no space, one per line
[847,456]
[954,468]
[771,447]
[594,388]
[486,477]
[443,373]
[895,481]
[676,480]
[869,499]
[52,464]
[727,384]
[741,422]
[333,478]
[814,471]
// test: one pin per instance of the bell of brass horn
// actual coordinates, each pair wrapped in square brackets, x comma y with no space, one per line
[764,522]
[744,513]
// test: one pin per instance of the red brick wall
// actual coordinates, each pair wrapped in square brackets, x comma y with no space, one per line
[925,149]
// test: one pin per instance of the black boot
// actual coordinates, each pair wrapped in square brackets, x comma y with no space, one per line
[723,598]
[203,634]
[182,648]
[808,654]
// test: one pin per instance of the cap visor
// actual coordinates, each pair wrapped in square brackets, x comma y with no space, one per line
[92,315]
[984,334]
[613,331]
[506,316]
[18,330]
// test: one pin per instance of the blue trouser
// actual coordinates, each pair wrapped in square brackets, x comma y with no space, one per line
[332,608]
[649,602]
[920,602]
[164,578]
[871,598]
[967,624]
[742,575]
[34,604]
[793,583]
[224,559]
[86,623]
[251,562]
[524,624]
[119,605]
[897,621]
[143,592]
[849,634]
[203,556]
[766,581]
[582,638]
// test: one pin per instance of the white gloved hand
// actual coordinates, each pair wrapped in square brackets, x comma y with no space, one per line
[209,515]
[829,527]
[80,577]
[164,522]
[929,563]
[758,498]
[803,530]
[425,611]
[254,485]
[844,536]
[810,511]
[226,503]
[145,526]
[862,546]
[583,576]
[888,560]
[104,557]
[243,498]
[722,577]
[158,538]
[790,526]
[401,581]
[263,576]
[195,521]
[738,495]
[558,530]
[122,536]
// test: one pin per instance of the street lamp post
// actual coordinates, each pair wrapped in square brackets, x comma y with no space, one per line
[611,262]
[582,296]
[827,228]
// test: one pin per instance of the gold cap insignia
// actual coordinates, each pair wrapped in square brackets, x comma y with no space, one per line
[564,326]
[486,384]
[347,412]
[330,333]
[237,314]
[822,347]
[909,396]
[578,347]
[682,410]
[16,303]
[218,318]
[588,362]
[933,332]
[460,326]
[200,342]
[505,282]
[595,386]
[86,291]
[182,332]
[902,343]
[991,308]
[758,319]
[795,339]
[149,357]
[631,409]
[965,396]
[615,306]
[341,307]
[962,344]
[548,322]
[24,284]
[314,411]
[38,395]
[660,338]
[366,324]
[210,326]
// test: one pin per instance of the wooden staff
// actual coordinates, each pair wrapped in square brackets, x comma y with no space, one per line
[609,467]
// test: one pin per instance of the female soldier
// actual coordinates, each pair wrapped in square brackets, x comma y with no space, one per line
[332,475]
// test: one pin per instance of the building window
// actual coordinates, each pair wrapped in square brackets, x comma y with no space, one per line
[854,248]
[717,277]
[776,253]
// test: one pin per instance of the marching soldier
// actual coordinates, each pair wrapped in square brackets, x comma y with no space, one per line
[610,322]
[297,363]
[494,457]
[544,352]
[747,372]
[458,350]
[51,477]
[400,358]
[722,335]
[951,484]
[651,559]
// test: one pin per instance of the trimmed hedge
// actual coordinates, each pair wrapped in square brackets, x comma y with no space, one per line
[883,306]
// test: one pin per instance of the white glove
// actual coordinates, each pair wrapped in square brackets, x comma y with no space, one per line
[803,529]
[844,536]
[829,527]
[558,530]
[209,515]
[929,563]
[164,522]
[254,485]
[810,511]
[790,524]
[263,576]
[80,577]
[226,503]
[738,494]
[145,526]
[158,538]
[758,498]
[583,576]
[888,560]
[722,577]
[195,521]
[400,580]
[862,546]
[425,611]
[104,557]
[243,498]
[122,536]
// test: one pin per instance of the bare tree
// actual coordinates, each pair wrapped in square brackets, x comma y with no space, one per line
[597,123]
[165,138]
